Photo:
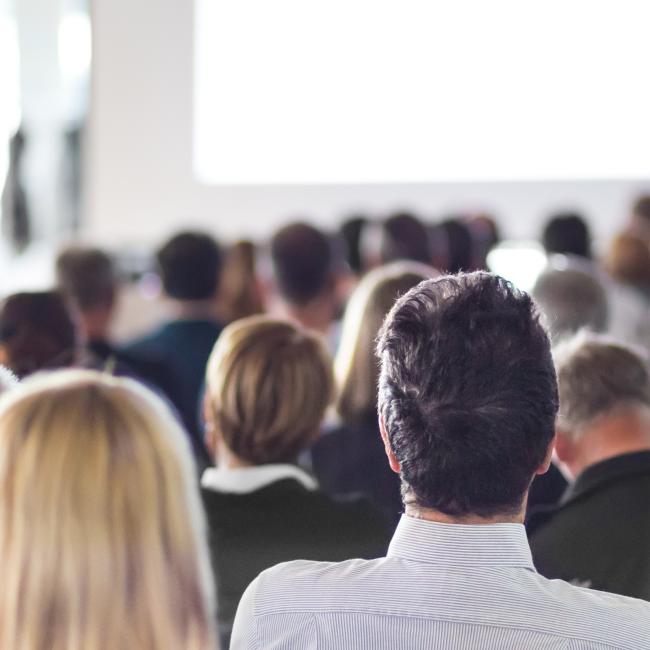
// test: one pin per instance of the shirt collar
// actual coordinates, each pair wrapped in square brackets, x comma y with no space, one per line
[492,545]
[243,480]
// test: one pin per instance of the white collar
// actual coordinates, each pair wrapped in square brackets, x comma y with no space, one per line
[242,480]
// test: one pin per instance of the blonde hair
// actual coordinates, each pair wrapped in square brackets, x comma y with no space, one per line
[101,534]
[356,368]
[269,383]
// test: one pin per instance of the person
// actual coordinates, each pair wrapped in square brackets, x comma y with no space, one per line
[598,536]
[37,332]
[468,400]
[572,297]
[639,221]
[567,233]
[404,237]
[350,457]
[628,261]
[268,385]
[305,277]
[452,245]
[100,521]
[189,265]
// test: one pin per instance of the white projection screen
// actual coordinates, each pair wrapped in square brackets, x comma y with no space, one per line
[416,91]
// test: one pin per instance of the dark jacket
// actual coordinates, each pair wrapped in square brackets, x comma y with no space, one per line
[277,523]
[599,536]
[351,460]
[182,349]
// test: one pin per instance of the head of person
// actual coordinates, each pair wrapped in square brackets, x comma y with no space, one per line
[567,233]
[628,262]
[269,383]
[37,332]
[189,265]
[111,554]
[604,388]
[356,367]
[467,396]
[640,218]
[404,237]
[485,236]
[452,245]
[571,298]
[87,279]
[351,232]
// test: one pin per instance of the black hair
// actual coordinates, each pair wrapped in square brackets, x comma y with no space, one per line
[467,392]
[303,261]
[567,233]
[189,265]
[405,237]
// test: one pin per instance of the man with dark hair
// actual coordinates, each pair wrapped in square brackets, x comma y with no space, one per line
[304,276]
[404,237]
[567,233]
[467,403]
[189,265]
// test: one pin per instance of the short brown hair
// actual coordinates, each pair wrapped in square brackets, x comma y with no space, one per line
[269,383]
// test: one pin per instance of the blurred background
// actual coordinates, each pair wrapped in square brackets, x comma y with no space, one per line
[122,123]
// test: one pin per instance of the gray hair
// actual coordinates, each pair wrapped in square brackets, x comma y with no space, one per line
[597,374]
[571,299]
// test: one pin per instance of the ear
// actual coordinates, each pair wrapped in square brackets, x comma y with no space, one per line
[564,446]
[392,460]
[546,463]
[209,433]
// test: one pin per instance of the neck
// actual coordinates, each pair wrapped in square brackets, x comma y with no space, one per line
[194,309]
[316,315]
[226,459]
[429,514]
[622,432]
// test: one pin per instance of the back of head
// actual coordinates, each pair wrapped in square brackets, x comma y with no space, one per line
[268,385]
[356,365]
[567,233]
[468,394]
[100,524]
[596,376]
[458,244]
[302,260]
[641,208]
[571,299]
[189,265]
[404,237]
[36,332]
[239,291]
[628,261]
[351,232]
[86,277]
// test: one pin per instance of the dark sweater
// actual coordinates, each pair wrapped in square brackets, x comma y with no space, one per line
[280,522]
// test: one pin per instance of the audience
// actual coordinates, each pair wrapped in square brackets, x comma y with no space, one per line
[468,399]
[100,523]
[36,333]
[189,265]
[567,233]
[268,385]
[350,459]
[305,276]
[404,237]
[598,536]
[572,298]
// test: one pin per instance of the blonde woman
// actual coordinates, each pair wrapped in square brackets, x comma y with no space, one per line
[101,538]
[268,385]
[350,459]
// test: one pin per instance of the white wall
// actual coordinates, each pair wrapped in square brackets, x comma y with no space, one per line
[139,154]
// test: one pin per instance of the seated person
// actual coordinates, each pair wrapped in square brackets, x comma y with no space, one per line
[350,458]
[468,401]
[305,277]
[567,233]
[599,536]
[189,265]
[37,332]
[100,520]
[268,385]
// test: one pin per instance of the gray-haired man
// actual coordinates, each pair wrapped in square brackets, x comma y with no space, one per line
[599,536]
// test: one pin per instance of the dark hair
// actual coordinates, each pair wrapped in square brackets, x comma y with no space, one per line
[37,332]
[641,207]
[567,233]
[404,237]
[302,259]
[86,276]
[467,392]
[351,231]
[459,245]
[189,265]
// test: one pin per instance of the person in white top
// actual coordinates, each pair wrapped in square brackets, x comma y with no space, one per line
[467,406]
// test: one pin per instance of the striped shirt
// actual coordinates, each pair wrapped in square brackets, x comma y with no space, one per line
[439,586]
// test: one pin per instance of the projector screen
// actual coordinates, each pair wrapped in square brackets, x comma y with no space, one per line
[411,91]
